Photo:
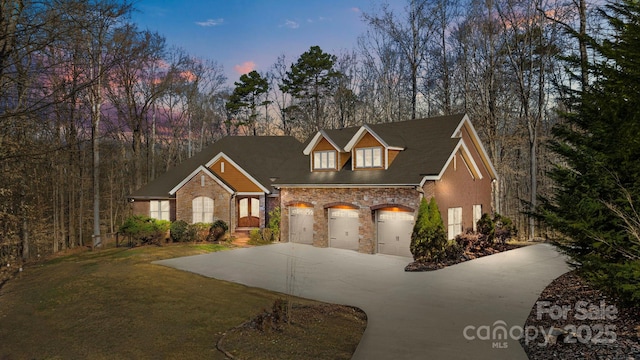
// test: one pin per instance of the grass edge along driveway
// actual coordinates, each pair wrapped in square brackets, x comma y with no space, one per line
[114,303]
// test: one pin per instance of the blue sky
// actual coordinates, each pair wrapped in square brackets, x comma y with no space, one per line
[244,35]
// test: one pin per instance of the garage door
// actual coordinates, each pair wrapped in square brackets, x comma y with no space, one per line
[301,225]
[343,228]
[394,232]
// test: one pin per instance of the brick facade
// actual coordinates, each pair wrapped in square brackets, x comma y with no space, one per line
[362,199]
[203,185]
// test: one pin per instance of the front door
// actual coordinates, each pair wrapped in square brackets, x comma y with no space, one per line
[249,212]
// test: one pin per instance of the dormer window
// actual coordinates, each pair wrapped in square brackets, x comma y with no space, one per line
[324,160]
[369,157]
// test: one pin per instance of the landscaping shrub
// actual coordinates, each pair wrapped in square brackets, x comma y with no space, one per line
[497,228]
[486,227]
[178,231]
[260,237]
[429,239]
[274,223]
[145,230]
[470,240]
[198,232]
[217,231]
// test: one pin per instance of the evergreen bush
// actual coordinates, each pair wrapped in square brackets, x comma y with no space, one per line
[178,231]
[429,239]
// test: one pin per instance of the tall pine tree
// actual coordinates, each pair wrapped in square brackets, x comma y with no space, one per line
[598,173]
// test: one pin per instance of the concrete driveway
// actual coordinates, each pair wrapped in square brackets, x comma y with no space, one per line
[445,314]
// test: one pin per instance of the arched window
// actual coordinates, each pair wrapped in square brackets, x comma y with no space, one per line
[202,209]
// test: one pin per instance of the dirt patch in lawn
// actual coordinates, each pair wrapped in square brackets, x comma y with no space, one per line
[115,304]
[327,331]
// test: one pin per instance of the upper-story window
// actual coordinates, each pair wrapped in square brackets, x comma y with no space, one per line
[324,159]
[369,157]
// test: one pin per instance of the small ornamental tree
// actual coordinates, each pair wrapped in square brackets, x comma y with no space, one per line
[429,239]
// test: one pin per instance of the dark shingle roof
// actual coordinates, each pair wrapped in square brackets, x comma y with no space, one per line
[260,156]
[427,143]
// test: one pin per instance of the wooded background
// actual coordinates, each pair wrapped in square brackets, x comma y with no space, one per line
[92,107]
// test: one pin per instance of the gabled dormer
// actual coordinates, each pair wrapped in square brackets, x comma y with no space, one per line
[371,150]
[324,153]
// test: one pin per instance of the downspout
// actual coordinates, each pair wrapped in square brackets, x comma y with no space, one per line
[232,226]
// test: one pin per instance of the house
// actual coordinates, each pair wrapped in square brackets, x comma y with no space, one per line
[356,188]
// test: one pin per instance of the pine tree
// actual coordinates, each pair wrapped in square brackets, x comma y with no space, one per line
[598,175]
[249,93]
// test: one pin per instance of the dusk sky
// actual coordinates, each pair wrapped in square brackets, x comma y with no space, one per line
[243,35]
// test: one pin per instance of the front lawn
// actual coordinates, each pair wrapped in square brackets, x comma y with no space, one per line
[115,304]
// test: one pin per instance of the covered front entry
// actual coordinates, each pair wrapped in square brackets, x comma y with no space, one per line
[344,227]
[301,224]
[394,231]
[249,212]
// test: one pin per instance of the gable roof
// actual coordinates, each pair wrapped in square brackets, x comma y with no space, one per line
[258,156]
[428,147]
[206,171]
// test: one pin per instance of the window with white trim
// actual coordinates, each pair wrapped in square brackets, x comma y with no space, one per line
[369,157]
[159,209]
[477,214]
[202,207]
[454,222]
[324,159]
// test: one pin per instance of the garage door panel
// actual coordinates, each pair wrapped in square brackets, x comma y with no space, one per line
[301,225]
[394,232]
[344,228]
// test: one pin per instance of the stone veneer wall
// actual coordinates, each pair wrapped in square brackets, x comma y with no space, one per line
[362,198]
[193,189]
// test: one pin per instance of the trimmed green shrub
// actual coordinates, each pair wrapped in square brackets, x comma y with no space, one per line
[260,237]
[429,239]
[486,227]
[499,228]
[145,230]
[217,231]
[274,223]
[178,231]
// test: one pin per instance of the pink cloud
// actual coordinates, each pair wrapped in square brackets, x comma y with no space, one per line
[245,67]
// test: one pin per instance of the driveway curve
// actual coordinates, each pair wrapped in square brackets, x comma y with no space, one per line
[445,314]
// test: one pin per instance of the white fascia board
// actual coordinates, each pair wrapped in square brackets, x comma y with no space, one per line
[360,133]
[476,139]
[316,139]
[194,173]
[242,171]
[471,164]
[312,143]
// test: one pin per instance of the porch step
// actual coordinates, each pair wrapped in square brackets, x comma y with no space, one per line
[241,238]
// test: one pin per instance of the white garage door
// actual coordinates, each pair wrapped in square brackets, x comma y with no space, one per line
[343,228]
[301,225]
[394,232]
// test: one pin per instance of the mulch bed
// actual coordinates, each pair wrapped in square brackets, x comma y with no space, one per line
[470,254]
[612,333]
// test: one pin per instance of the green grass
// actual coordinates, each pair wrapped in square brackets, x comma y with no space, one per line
[115,304]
